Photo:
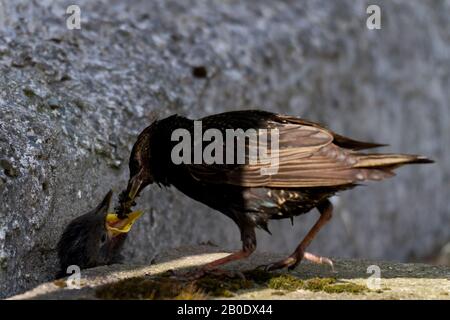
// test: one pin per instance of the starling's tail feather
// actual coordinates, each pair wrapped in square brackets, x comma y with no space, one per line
[388,161]
[348,143]
[381,166]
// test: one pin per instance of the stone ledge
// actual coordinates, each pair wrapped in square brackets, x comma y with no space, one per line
[398,280]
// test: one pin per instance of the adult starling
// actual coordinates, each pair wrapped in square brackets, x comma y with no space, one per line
[94,238]
[314,163]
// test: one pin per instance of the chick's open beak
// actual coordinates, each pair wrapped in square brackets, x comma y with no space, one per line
[117,226]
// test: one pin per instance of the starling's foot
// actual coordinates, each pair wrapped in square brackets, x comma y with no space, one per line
[292,262]
[326,210]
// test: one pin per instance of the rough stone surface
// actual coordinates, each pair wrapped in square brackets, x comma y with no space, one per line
[398,280]
[73,101]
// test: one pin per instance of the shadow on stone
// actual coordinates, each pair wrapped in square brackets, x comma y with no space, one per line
[308,281]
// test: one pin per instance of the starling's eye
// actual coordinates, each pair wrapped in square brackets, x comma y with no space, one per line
[103,239]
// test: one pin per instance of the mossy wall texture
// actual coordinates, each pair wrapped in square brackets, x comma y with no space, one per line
[73,101]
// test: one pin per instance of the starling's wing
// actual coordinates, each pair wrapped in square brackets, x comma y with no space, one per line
[306,157]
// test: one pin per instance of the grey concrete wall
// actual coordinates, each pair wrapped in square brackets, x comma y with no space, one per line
[73,101]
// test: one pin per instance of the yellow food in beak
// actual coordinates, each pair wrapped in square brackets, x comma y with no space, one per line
[117,226]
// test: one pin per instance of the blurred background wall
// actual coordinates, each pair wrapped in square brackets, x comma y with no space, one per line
[73,101]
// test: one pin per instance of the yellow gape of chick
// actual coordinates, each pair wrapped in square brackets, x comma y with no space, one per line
[115,225]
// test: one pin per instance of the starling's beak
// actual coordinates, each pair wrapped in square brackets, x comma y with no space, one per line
[134,186]
[126,198]
[116,226]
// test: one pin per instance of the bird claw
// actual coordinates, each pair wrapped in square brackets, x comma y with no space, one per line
[293,261]
[319,260]
[290,263]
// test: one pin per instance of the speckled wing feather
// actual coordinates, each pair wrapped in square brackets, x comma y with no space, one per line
[307,156]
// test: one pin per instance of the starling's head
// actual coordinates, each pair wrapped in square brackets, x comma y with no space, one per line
[141,173]
[94,238]
[149,159]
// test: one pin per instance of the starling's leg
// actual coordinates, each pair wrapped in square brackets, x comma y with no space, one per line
[326,211]
[248,246]
[248,237]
